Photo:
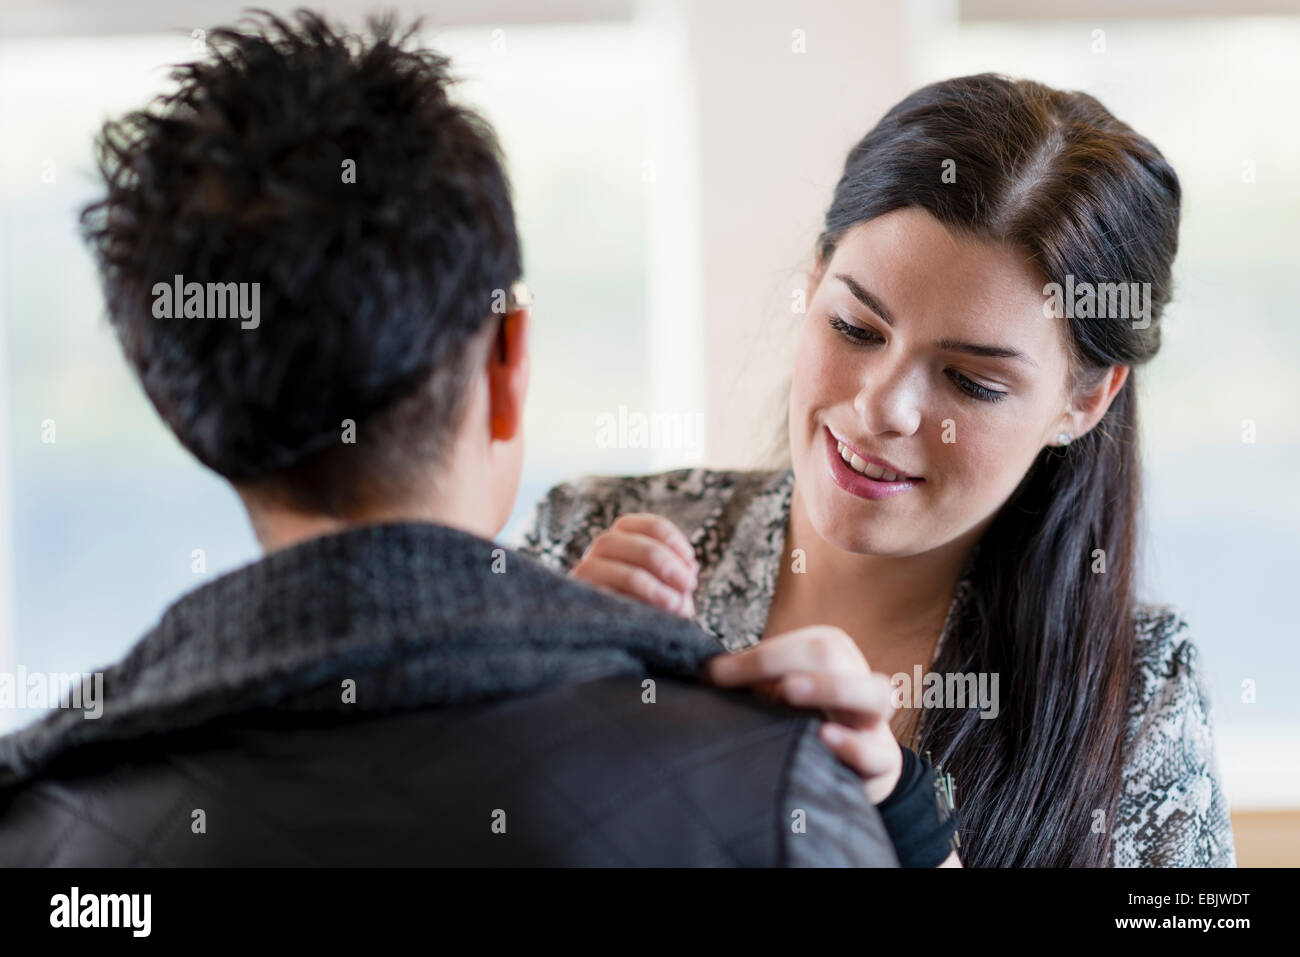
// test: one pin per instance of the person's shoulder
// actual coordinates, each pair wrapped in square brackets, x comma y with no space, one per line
[1171,768]
[1167,660]
[572,513]
[1168,681]
[757,771]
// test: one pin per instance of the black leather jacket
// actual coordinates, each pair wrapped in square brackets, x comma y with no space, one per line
[387,696]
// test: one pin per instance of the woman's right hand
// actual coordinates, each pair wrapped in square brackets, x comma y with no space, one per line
[645,557]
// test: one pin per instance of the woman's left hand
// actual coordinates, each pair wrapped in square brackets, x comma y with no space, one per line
[820,666]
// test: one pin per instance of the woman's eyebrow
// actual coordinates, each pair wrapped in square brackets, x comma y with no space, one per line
[866,298]
[946,344]
[976,349]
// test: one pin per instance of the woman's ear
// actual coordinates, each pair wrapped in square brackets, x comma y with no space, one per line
[1092,404]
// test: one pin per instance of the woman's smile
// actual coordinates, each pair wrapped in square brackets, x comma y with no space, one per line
[864,479]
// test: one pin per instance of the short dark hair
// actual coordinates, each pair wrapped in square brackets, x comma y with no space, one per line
[374,215]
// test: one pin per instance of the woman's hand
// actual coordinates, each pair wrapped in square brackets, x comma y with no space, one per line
[645,557]
[822,667]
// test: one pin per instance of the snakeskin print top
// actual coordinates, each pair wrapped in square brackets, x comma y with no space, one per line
[1172,812]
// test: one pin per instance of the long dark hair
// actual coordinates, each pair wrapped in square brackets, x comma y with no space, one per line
[1055,174]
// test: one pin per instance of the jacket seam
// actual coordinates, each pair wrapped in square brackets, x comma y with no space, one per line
[783,792]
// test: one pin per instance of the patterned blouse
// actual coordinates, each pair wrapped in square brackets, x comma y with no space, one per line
[1172,812]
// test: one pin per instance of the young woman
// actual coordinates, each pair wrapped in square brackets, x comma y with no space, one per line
[962,493]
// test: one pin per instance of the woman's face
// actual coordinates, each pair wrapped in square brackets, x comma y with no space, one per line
[880,366]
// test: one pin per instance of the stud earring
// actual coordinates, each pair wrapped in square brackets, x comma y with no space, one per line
[1064,438]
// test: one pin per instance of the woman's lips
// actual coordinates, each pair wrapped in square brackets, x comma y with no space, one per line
[854,482]
[843,445]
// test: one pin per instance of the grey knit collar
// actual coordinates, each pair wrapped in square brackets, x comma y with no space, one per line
[417,615]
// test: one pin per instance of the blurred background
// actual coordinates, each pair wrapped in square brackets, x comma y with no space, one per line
[671,163]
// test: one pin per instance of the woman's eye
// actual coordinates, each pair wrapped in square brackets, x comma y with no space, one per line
[852,332]
[975,390]
[866,336]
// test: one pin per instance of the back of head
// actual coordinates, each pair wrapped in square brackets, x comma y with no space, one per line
[326,185]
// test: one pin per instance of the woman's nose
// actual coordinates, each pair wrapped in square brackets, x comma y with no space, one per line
[889,400]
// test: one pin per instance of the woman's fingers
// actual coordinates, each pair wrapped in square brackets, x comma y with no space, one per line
[642,551]
[633,581]
[858,700]
[822,667]
[658,527]
[877,758]
[816,648]
[645,557]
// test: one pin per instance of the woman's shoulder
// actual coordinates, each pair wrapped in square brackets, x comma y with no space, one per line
[1164,649]
[572,513]
[1173,811]
[1169,679]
